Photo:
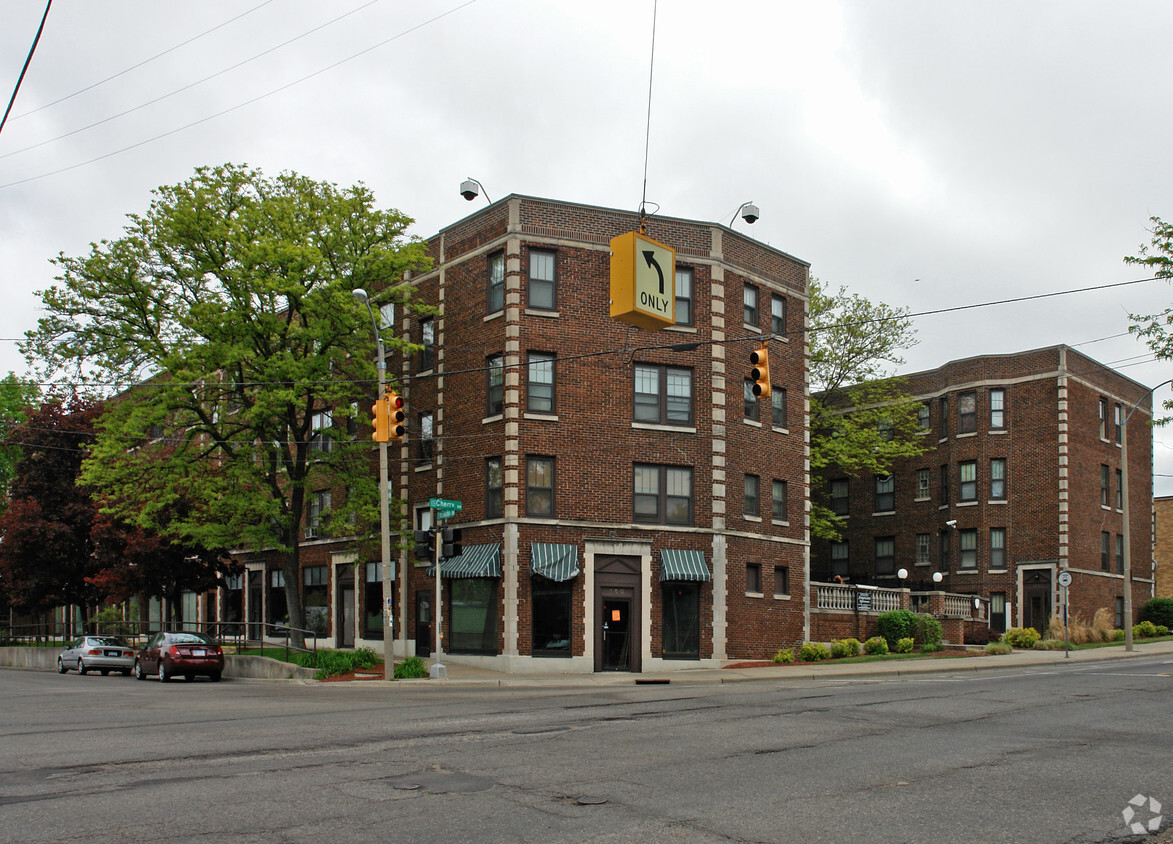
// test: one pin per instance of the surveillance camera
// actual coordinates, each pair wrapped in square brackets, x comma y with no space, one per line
[952,523]
[468,189]
[749,213]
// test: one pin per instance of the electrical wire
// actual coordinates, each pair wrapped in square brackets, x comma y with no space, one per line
[28,60]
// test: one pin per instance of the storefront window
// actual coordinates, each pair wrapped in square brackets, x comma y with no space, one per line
[472,621]
[373,602]
[551,608]
[681,618]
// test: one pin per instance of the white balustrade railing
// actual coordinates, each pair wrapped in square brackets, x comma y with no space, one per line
[837,596]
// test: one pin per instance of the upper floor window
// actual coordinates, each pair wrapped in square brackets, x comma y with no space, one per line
[839,559]
[777,407]
[997,548]
[967,542]
[1105,491]
[662,494]
[1119,553]
[1120,489]
[749,304]
[778,315]
[321,422]
[1105,551]
[752,501]
[319,505]
[542,292]
[781,581]
[496,297]
[663,394]
[778,501]
[998,479]
[944,485]
[840,489]
[943,547]
[1118,420]
[753,578]
[539,383]
[424,442]
[922,416]
[752,405]
[495,385]
[387,316]
[885,555]
[494,489]
[428,341]
[1103,418]
[967,413]
[923,482]
[885,430]
[998,409]
[922,549]
[684,306]
[967,480]
[539,486]
[885,493]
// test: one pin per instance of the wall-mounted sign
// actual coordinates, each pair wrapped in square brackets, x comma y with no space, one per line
[643,281]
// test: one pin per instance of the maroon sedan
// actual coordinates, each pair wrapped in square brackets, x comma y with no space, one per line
[167,655]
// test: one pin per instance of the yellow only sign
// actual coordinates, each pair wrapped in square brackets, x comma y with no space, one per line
[643,281]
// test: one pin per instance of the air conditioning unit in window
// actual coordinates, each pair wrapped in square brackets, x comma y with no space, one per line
[311,533]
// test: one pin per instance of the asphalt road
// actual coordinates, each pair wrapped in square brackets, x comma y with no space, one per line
[1046,755]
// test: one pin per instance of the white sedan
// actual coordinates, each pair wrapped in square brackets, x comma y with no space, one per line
[96,653]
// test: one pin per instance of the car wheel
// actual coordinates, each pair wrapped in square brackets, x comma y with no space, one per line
[214,676]
[81,666]
[163,675]
[61,669]
[138,671]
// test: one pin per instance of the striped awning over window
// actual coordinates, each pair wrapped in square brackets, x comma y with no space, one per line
[475,561]
[554,562]
[683,565]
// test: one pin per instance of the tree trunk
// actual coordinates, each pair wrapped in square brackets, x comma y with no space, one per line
[291,566]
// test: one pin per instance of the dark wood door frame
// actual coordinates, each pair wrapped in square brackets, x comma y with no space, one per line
[618,577]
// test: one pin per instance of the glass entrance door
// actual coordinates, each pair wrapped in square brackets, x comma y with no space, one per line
[616,622]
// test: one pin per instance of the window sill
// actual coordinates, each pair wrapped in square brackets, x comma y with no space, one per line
[998,501]
[496,417]
[748,327]
[757,519]
[755,594]
[924,498]
[967,571]
[660,426]
[682,328]
[423,373]
[780,522]
[493,316]
[967,435]
[778,430]
[785,597]
[884,513]
[998,431]
[968,503]
[1105,508]
[753,422]
[998,571]
[925,563]
[424,467]
[537,417]
[541,313]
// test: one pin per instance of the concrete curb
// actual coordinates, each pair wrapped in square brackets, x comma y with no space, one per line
[236,667]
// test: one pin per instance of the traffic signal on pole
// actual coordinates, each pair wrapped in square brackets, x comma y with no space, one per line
[381,419]
[396,417]
[425,543]
[450,543]
[760,374]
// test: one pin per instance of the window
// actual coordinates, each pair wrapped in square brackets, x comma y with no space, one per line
[753,578]
[967,480]
[749,304]
[781,581]
[320,423]
[1119,421]
[496,282]
[967,542]
[998,409]
[428,341]
[1105,551]
[778,316]
[663,394]
[314,597]
[494,385]
[551,616]
[922,549]
[372,602]
[662,494]
[752,502]
[885,430]
[839,496]
[539,393]
[998,611]
[1120,489]
[1104,491]
[997,548]
[777,407]
[352,420]
[998,479]
[967,413]
[683,296]
[922,417]
[839,559]
[1119,554]
[943,547]
[885,493]
[494,489]
[944,414]
[424,443]
[778,501]
[885,555]
[923,490]
[542,290]
[319,506]
[539,486]
[681,620]
[386,321]
[472,623]
[1119,611]
[944,485]
[276,606]
[752,409]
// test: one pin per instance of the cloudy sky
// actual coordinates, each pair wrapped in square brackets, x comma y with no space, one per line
[928,154]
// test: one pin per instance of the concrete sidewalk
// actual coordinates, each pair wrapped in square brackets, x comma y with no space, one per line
[467,675]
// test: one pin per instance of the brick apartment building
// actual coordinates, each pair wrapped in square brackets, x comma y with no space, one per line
[1163,545]
[626,503]
[1021,480]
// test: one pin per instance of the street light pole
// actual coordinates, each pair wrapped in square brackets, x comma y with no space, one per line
[1124,512]
[384,505]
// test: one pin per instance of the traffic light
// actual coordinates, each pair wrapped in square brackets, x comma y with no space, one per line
[381,419]
[450,543]
[425,544]
[397,424]
[760,374]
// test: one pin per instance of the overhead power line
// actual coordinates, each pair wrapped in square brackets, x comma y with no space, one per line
[27,62]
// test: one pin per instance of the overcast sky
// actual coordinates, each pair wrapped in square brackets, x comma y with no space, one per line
[927,154]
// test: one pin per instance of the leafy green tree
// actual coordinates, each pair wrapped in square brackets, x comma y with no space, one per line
[230,303]
[1158,257]
[862,420]
[16,398]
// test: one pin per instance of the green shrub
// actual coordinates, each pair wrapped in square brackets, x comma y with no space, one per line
[841,648]
[1048,645]
[813,652]
[876,646]
[927,630]
[332,663]
[930,648]
[1158,611]
[784,657]
[1021,637]
[896,625]
[1162,630]
[1118,636]
[905,645]
[109,622]
[411,668]
[998,649]
[1144,630]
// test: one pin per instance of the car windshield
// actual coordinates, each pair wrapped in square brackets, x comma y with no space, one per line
[190,639]
[111,641]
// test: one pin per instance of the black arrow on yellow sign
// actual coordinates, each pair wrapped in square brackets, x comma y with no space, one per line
[650,257]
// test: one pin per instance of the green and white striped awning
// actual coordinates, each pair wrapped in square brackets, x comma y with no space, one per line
[683,565]
[554,562]
[475,561]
